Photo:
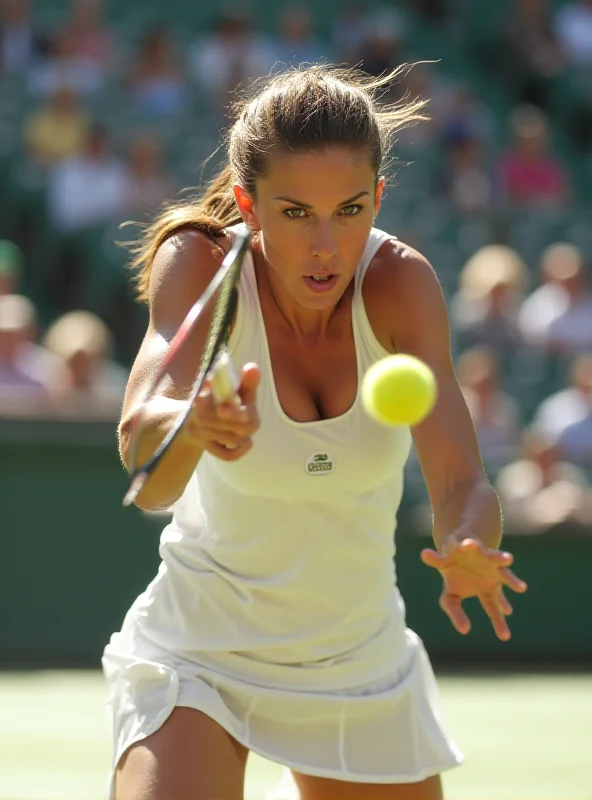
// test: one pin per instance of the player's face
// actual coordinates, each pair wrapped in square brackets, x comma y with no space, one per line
[315,211]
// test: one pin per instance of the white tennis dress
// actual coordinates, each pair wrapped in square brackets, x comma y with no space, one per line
[275,610]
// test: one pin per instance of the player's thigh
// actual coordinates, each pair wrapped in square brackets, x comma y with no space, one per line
[189,758]
[326,789]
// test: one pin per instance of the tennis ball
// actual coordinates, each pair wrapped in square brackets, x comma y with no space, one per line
[399,390]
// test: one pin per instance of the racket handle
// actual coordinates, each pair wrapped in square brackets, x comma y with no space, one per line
[224,380]
[135,488]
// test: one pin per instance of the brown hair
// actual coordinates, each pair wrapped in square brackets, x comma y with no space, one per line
[303,109]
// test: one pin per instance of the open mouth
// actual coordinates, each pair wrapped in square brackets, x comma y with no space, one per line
[320,283]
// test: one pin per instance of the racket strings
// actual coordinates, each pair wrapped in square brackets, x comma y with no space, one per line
[222,319]
[223,288]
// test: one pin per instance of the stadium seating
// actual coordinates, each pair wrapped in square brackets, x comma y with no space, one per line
[410,207]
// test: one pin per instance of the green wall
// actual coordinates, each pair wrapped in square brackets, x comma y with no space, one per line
[73,560]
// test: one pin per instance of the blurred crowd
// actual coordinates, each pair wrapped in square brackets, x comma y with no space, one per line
[115,123]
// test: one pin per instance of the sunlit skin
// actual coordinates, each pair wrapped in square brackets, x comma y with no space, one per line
[314,212]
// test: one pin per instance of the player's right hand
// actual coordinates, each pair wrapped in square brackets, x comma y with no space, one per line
[222,429]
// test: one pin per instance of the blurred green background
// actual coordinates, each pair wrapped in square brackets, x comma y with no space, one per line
[74,559]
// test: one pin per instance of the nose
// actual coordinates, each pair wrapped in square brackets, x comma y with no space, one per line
[324,244]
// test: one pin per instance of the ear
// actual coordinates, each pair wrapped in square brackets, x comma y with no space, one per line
[378,197]
[246,206]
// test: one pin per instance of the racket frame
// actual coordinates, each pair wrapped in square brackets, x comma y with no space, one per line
[216,364]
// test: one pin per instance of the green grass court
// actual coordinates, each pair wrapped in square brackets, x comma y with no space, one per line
[526,737]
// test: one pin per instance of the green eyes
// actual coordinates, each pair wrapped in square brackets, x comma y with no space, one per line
[351,211]
[301,213]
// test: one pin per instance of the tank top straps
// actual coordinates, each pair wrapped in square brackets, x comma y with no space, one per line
[368,347]
[289,550]
[249,328]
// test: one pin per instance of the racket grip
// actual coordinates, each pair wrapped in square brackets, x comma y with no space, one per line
[135,488]
[224,380]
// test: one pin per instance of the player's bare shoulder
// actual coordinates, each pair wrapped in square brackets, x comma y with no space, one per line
[396,264]
[184,264]
[397,278]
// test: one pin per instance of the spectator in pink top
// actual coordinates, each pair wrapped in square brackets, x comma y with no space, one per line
[528,174]
[91,38]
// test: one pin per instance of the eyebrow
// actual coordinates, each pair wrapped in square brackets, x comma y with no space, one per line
[307,205]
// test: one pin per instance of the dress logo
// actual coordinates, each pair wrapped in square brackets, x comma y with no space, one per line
[319,464]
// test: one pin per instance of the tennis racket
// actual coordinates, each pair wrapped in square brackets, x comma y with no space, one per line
[216,364]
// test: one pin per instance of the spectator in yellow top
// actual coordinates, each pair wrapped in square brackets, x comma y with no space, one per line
[57,130]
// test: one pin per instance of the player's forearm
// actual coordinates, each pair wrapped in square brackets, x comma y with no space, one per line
[472,510]
[167,482]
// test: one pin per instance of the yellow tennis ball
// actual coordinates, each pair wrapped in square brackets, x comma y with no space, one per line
[399,390]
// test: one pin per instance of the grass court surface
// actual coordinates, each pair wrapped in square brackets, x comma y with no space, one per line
[526,737]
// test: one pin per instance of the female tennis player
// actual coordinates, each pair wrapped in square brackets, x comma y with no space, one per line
[274,624]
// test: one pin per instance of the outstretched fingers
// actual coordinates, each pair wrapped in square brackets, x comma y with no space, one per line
[432,558]
[504,603]
[451,605]
[500,558]
[510,580]
[493,607]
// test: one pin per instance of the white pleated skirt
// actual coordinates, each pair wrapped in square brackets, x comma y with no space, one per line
[386,731]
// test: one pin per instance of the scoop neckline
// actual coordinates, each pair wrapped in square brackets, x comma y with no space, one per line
[250,264]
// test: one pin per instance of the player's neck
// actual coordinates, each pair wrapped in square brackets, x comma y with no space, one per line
[304,324]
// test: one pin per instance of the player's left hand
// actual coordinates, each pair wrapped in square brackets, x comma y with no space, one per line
[469,569]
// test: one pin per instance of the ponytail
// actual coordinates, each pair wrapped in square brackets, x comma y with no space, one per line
[211,214]
[301,110]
